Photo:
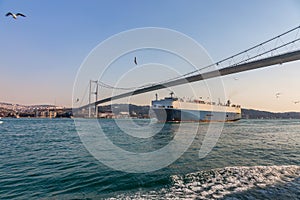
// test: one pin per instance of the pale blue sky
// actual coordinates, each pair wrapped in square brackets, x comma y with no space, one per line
[40,54]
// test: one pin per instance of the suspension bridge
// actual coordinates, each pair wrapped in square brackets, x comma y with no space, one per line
[278,50]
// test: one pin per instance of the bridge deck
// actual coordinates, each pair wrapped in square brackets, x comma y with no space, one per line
[279,59]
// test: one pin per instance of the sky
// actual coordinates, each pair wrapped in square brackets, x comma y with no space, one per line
[40,55]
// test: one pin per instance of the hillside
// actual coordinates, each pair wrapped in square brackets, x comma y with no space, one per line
[11,110]
[257,114]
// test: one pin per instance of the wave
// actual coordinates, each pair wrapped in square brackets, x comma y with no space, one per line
[222,182]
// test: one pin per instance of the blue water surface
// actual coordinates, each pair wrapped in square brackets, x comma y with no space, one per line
[45,159]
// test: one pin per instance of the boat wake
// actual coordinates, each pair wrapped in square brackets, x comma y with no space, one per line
[261,182]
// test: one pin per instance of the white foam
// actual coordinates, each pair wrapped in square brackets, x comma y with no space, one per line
[215,184]
[220,182]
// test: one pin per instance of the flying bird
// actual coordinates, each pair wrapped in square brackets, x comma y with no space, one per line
[295,102]
[135,62]
[277,94]
[15,16]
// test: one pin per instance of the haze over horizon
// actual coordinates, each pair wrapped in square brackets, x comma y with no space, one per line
[41,54]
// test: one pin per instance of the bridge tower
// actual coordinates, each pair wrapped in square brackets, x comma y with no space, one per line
[91,92]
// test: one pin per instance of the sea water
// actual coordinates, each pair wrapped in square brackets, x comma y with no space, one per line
[252,159]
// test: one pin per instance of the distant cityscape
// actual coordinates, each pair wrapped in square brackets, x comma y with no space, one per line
[40,111]
[112,111]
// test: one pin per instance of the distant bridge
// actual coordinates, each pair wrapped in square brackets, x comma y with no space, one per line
[259,60]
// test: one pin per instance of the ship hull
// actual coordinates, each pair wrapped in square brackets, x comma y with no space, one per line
[179,115]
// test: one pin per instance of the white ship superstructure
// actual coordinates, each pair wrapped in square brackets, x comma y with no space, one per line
[172,109]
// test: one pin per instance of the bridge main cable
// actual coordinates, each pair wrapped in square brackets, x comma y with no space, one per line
[279,59]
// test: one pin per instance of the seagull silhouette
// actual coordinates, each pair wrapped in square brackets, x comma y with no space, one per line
[295,102]
[135,62]
[15,16]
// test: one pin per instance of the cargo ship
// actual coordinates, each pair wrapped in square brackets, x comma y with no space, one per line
[173,109]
